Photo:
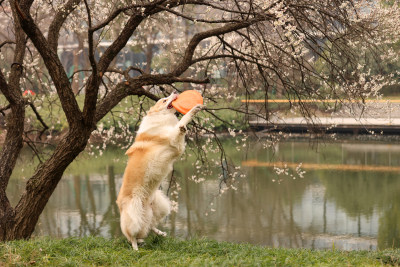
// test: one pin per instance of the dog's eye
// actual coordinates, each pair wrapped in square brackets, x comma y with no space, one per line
[164,101]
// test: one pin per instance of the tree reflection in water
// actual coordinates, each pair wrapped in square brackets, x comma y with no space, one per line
[350,209]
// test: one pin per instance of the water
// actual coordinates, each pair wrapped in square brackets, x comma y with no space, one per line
[349,197]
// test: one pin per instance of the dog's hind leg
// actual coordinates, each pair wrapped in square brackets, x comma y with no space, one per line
[132,219]
[161,207]
[131,238]
[146,225]
[134,243]
[158,232]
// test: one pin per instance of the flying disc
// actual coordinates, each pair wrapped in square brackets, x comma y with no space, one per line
[187,100]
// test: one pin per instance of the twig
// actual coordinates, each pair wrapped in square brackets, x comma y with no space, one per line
[6,42]
[134,68]
[125,72]
[119,11]
[194,19]
[5,108]
[190,80]
[31,144]
[218,118]
[141,109]
[223,159]
[77,71]
[106,87]
[45,127]
[58,20]
[90,40]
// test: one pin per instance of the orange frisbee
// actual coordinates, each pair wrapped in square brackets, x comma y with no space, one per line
[187,100]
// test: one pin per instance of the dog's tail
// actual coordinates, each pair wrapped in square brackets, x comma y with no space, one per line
[135,211]
[132,220]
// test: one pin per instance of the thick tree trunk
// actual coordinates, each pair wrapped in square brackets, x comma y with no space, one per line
[9,155]
[20,222]
[15,126]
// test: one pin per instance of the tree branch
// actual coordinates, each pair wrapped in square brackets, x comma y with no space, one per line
[134,86]
[6,42]
[120,42]
[90,40]
[4,109]
[58,21]
[77,71]
[54,66]
[134,21]
[93,84]
[32,146]
[194,19]
[120,91]
[197,38]
[189,80]
[4,88]
[15,119]
[40,119]
[135,69]
[118,11]
[125,72]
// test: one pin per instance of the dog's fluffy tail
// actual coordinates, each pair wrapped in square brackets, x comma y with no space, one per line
[132,217]
[135,210]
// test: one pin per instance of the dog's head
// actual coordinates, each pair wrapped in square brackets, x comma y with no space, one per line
[164,105]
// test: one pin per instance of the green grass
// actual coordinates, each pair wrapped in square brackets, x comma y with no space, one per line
[97,251]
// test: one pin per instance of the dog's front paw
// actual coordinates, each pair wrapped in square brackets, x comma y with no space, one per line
[183,129]
[197,108]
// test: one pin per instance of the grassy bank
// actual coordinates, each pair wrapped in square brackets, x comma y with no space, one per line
[96,251]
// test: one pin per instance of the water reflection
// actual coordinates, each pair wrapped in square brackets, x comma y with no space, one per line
[345,208]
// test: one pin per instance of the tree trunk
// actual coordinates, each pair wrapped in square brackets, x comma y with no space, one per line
[19,223]
[15,126]
[9,154]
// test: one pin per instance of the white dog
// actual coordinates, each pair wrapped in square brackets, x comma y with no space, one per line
[160,140]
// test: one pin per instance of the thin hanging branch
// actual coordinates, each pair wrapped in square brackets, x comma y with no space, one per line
[6,42]
[40,119]
[4,109]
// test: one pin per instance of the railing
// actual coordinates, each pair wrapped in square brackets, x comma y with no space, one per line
[318,101]
[315,166]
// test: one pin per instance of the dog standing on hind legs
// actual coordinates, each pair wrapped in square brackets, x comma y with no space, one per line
[160,140]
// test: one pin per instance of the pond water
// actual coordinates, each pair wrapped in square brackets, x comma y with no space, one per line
[349,197]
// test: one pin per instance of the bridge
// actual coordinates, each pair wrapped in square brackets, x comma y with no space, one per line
[378,117]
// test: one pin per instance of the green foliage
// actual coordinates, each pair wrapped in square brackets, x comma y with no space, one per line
[98,251]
